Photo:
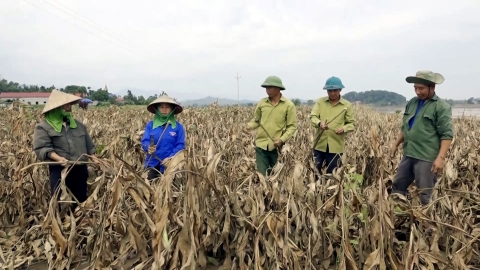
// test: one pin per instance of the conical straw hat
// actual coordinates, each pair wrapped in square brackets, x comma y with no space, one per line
[165,99]
[58,99]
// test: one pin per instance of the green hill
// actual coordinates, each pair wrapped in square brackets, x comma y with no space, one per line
[376,97]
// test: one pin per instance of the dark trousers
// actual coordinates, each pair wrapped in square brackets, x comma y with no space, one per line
[154,172]
[76,181]
[411,169]
[266,160]
[332,160]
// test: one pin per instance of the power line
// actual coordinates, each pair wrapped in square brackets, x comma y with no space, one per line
[85,17]
[74,24]
[238,89]
[86,22]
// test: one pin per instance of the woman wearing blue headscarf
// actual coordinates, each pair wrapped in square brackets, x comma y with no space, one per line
[164,136]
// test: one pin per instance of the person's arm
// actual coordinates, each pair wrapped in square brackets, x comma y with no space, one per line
[349,120]
[257,115]
[444,146]
[146,137]
[444,129]
[291,123]
[314,115]
[399,140]
[42,144]
[89,143]
[400,136]
[54,156]
[180,142]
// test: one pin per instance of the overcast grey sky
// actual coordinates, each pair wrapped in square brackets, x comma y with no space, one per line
[193,48]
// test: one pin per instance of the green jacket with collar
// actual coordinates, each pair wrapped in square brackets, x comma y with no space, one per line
[432,124]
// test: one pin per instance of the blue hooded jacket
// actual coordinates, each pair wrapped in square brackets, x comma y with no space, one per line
[172,142]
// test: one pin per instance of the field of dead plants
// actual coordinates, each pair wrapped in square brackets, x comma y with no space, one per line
[211,208]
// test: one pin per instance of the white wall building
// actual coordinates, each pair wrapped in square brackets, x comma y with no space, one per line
[32,98]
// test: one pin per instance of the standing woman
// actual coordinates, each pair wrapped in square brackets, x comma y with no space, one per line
[164,136]
[61,138]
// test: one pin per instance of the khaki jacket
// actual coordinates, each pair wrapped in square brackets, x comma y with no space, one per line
[71,143]
[279,121]
[324,111]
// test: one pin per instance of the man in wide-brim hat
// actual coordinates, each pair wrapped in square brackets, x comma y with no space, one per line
[61,138]
[427,133]
[164,136]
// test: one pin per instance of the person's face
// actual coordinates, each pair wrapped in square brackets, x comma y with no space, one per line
[67,107]
[272,91]
[334,95]
[164,108]
[421,90]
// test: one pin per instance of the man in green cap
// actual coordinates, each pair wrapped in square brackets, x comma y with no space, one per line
[275,122]
[426,134]
[332,116]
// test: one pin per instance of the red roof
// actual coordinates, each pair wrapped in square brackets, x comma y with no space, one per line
[25,94]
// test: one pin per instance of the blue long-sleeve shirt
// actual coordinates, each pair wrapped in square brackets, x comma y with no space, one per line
[172,142]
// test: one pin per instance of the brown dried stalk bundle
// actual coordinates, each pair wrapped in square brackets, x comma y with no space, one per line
[212,208]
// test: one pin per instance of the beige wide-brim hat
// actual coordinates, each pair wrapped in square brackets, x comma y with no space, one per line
[165,99]
[58,99]
[426,77]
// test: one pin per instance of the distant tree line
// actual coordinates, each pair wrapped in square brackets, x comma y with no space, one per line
[100,95]
[376,97]
[373,97]
[6,86]
[131,99]
[387,98]
[471,100]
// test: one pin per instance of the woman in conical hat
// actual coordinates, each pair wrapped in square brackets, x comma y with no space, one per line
[164,136]
[61,138]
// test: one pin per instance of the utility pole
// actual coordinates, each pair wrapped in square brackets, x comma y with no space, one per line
[238,89]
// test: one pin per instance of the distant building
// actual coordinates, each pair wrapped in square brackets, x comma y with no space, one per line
[32,98]
[118,98]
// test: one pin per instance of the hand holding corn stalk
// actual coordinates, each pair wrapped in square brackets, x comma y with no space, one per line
[325,127]
[277,143]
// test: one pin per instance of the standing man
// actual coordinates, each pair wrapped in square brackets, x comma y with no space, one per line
[275,121]
[426,134]
[332,116]
[61,138]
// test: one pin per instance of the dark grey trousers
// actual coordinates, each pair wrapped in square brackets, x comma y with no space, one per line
[411,169]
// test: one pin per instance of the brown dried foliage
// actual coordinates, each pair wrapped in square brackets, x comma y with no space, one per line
[212,208]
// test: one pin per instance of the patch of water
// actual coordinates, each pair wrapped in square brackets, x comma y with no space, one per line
[456,111]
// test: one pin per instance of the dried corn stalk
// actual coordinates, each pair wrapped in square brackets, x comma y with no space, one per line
[212,208]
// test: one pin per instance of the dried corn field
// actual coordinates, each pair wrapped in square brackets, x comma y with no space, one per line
[211,207]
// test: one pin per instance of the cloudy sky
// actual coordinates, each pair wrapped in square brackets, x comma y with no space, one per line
[194,48]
